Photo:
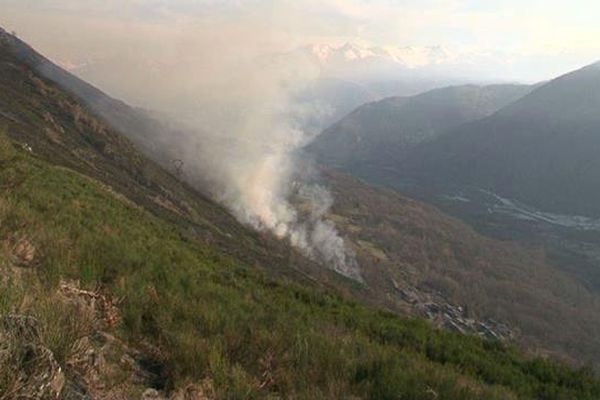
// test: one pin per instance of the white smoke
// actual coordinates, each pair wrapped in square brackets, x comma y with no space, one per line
[236,90]
[320,237]
[249,158]
[233,82]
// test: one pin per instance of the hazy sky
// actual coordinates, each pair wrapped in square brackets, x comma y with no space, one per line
[544,37]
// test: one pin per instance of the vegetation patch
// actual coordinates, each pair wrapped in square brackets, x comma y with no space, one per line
[194,313]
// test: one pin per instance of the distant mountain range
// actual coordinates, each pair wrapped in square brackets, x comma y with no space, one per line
[332,57]
[349,75]
[354,74]
[382,133]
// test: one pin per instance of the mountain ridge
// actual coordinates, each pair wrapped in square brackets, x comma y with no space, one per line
[382,132]
[538,150]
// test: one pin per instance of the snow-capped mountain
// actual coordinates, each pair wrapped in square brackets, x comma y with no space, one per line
[407,57]
[364,63]
[353,74]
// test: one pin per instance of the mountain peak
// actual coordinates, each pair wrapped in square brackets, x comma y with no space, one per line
[403,56]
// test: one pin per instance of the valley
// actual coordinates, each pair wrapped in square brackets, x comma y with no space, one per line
[523,172]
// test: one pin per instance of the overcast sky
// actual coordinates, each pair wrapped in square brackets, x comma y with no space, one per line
[544,37]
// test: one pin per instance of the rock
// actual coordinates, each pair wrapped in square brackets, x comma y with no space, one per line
[24,327]
[23,252]
[152,394]
[434,307]
[37,373]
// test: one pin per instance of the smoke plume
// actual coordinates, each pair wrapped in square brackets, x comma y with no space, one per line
[247,152]
[234,87]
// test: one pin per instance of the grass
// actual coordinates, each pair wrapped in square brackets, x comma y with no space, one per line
[205,314]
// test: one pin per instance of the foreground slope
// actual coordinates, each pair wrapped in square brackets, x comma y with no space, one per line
[190,312]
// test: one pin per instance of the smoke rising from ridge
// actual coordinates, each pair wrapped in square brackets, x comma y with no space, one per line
[233,86]
[251,161]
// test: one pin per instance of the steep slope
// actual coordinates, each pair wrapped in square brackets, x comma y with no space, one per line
[139,124]
[378,135]
[191,313]
[57,127]
[541,150]
[51,124]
